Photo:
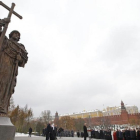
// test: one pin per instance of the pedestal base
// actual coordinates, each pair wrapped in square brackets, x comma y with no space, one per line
[7,129]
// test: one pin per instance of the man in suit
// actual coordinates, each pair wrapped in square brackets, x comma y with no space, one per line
[85,131]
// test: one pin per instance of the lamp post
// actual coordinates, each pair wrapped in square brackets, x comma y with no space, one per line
[65,122]
[35,125]
[89,121]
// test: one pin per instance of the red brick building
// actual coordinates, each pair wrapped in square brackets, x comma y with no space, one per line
[123,118]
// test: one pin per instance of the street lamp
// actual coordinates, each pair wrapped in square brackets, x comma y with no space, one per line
[89,121]
[65,122]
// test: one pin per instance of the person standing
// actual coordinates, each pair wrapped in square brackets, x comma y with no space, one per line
[120,135]
[30,132]
[117,134]
[43,132]
[138,134]
[48,131]
[78,134]
[60,130]
[85,131]
[52,132]
[72,133]
[55,132]
[127,134]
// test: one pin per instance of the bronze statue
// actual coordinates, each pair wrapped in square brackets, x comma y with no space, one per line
[12,56]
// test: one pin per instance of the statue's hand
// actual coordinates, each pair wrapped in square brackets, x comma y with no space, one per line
[6,20]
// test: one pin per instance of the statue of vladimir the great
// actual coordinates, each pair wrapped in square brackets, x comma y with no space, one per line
[12,56]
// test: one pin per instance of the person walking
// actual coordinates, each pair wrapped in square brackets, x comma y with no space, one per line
[30,132]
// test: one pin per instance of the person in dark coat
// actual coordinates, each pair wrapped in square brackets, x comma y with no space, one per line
[124,137]
[101,134]
[117,134]
[120,135]
[43,132]
[48,130]
[60,130]
[55,132]
[133,134]
[78,134]
[85,131]
[138,134]
[109,135]
[72,133]
[52,133]
[127,134]
[105,134]
[30,132]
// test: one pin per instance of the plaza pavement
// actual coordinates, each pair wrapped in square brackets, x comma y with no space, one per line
[43,138]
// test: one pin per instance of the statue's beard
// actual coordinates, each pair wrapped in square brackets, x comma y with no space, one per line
[16,38]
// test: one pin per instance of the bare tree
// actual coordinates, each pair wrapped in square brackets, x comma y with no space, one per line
[46,116]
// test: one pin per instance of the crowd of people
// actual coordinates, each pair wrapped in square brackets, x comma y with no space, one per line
[66,133]
[108,134]
[51,132]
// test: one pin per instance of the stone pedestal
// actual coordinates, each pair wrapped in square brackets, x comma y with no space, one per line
[7,129]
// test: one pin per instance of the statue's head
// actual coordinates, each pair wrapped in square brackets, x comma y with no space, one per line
[15,35]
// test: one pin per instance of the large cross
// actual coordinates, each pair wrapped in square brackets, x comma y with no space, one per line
[11,11]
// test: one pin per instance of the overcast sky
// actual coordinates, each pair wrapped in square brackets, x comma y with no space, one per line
[83,54]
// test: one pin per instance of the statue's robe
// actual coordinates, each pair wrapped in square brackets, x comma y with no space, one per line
[9,62]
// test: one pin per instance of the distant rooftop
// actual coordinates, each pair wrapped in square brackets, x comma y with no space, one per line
[96,110]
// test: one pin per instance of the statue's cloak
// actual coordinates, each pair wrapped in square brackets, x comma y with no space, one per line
[12,55]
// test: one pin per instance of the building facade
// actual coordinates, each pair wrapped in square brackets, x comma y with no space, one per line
[123,114]
[110,111]
[84,114]
[124,117]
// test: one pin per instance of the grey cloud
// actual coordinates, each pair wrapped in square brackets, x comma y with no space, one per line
[82,54]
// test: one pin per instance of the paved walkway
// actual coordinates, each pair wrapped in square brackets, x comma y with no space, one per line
[29,138]
[43,138]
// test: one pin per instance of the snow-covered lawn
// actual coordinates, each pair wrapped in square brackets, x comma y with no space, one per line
[23,135]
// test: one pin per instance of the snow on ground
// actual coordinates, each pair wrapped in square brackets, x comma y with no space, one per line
[23,135]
